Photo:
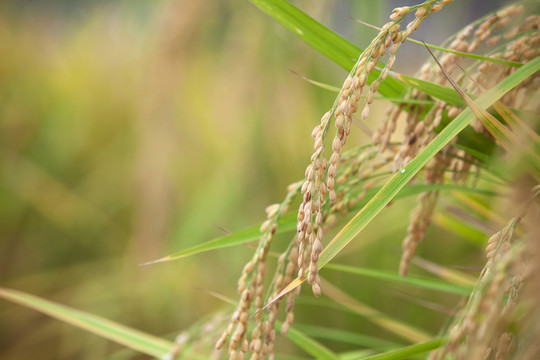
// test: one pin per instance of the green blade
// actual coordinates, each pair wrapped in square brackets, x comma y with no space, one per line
[322,39]
[288,223]
[444,93]
[431,284]
[312,347]
[408,351]
[324,332]
[121,334]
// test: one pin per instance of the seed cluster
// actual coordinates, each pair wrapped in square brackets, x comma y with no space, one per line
[483,329]
[310,214]
[504,35]
[420,220]
[251,289]
[483,325]
[488,33]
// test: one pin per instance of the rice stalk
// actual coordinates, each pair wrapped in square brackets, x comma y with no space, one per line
[321,180]
[334,185]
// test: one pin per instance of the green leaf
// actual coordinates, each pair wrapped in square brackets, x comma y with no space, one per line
[395,326]
[425,283]
[335,89]
[324,86]
[408,351]
[322,39]
[451,275]
[344,53]
[444,93]
[464,230]
[516,124]
[348,337]
[288,223]
[121,334]
[312,347]
[353,355]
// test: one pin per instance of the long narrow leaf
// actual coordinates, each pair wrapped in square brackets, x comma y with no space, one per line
[407,352]
[121,334]
[335,89]
[401,329]
[430,284]
[322,39]
[312,347]
[451,275]
[444,93]
[348,337]
[288,222]
[354,355]
[515,122]
[464,230]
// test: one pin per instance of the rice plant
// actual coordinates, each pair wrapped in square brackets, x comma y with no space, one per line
[461,135]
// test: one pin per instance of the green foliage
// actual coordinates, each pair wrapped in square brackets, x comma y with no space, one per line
[136,340]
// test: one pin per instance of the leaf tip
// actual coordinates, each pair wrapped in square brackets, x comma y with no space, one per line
[160,260]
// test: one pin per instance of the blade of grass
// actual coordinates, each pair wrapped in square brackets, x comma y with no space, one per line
[403,330]
[336,90]
[444,93]
[324,86]
[353,355]
[121,334]
[469,55]
[288,223]
[322,39]
[473,205]
[515,122]
[425,303]
[348,337]
[312,347]
[460,228]
[398,181]
[282,356]
[431,284]
[408,351]
[402,101]
[450,275]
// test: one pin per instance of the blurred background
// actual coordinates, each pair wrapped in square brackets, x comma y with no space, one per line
[130,130]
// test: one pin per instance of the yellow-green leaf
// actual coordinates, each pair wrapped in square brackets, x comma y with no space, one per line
[121,334]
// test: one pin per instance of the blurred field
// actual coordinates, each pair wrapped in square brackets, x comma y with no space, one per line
[131,130]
